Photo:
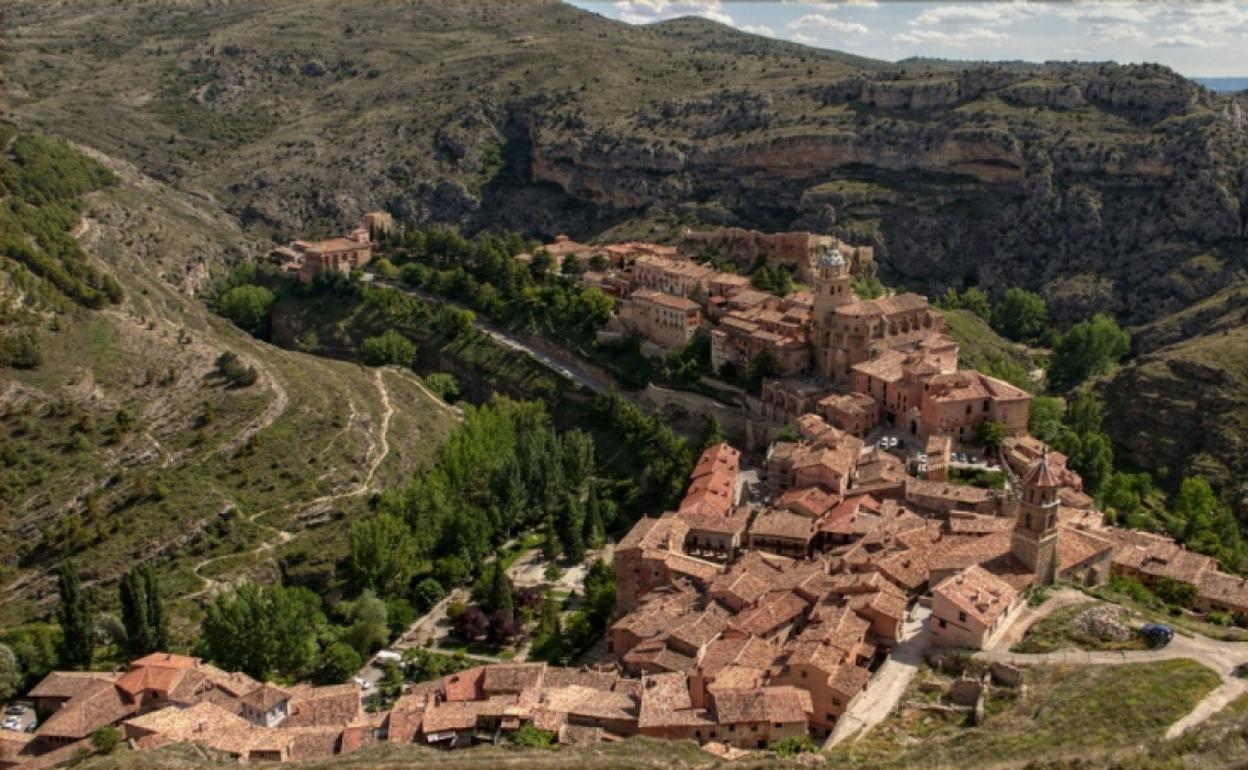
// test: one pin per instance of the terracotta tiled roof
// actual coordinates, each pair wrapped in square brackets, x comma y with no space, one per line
[959,551]
[321,706]
[99,703]
[1219,587]
[719,457]
[939,490]
[657,654]
[778,705]
[406,716]
[978,593]
[265,697]
[1075,546]
[67,684]
[884,306]
[665,702]
[663,299]
[588,702]
[784,525]
[773,611]
[513,678]
[1041,475]
[748,652]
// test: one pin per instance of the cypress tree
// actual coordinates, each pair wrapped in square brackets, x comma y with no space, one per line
[73,612]
[499,597]
[571,520]
[593,531]
[550,541]
[157,623]
[134,617]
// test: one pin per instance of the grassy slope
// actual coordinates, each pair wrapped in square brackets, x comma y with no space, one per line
[1088,712]
[309,428]
[978,344]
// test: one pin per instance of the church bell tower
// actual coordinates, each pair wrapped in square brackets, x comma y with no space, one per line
[832,290]
[1034,542]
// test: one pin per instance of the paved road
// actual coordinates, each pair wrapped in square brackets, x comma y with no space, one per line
[889,682]
[1222,657]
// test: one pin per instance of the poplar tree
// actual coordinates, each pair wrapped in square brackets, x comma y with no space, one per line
[73,612]
[157,622]
[134,614]
[593,531]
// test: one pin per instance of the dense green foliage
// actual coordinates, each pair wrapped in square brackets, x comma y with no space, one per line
[10,673]
[972,298]
[264,631]
[248,307]
[43,181]
[389,347]
[1020,315]
[1084,442]
[484,274]
[1088,349]
[556,643]
[143,612]
[73,613]
[500,473]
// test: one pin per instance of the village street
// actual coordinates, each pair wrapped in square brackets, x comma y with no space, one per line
[889,683]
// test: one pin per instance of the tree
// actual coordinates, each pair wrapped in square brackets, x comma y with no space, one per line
[382,554]
[339,662]
[493,590]
[550,539]
[593,531]
[10,673]
[1194,506]
[1020,315]
[247,306]
[388,348]
[989,434]
[368,630]
[386,269]
[444,385]
[1089,349]
[972,298]
[577,455]
[762,367]
[263,631]
[134,608]
[541,264]
[502,627]
[105,739]
[572,268]
[1045,422]
[471,624]
[427,593]
[158,623]
[570,526]
[73,612]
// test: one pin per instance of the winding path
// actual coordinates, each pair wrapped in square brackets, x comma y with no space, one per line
[1223,657]
[379,450]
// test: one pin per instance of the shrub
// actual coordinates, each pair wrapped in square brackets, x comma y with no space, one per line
[105,739]
[533,738]
[247,306]
[20,351]
[388,348]
[791,747]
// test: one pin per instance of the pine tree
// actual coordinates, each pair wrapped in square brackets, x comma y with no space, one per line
[157,623]
[73,612]
[550,541]
[134,614]
[498,596]
[594,533]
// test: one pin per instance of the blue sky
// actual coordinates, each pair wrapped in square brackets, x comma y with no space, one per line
[1194,38]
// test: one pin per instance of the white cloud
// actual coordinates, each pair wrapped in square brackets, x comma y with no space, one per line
[1118,33]
[1182,41]
[846,3]
[983,14]
[647,11]
[1108,12]
[758,29]
[798,37]
[956,39]
[818,21]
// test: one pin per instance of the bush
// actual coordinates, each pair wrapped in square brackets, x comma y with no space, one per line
[389,348]
[427,593]
[445,386]
[105,739]
[339,662]
[791,747]
[533,738]
[234,371]
[247,306]
[20,351]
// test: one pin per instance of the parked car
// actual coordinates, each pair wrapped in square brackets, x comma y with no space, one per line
[1157,634]
[13,723]
[363,683]
[960,457]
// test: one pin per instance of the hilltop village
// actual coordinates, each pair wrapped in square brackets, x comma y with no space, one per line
[763,606]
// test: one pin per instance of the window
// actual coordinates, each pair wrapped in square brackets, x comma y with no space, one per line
[943,624]
[962,617]
[732,728]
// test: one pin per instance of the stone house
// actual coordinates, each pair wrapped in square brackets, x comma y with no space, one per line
[970,608]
